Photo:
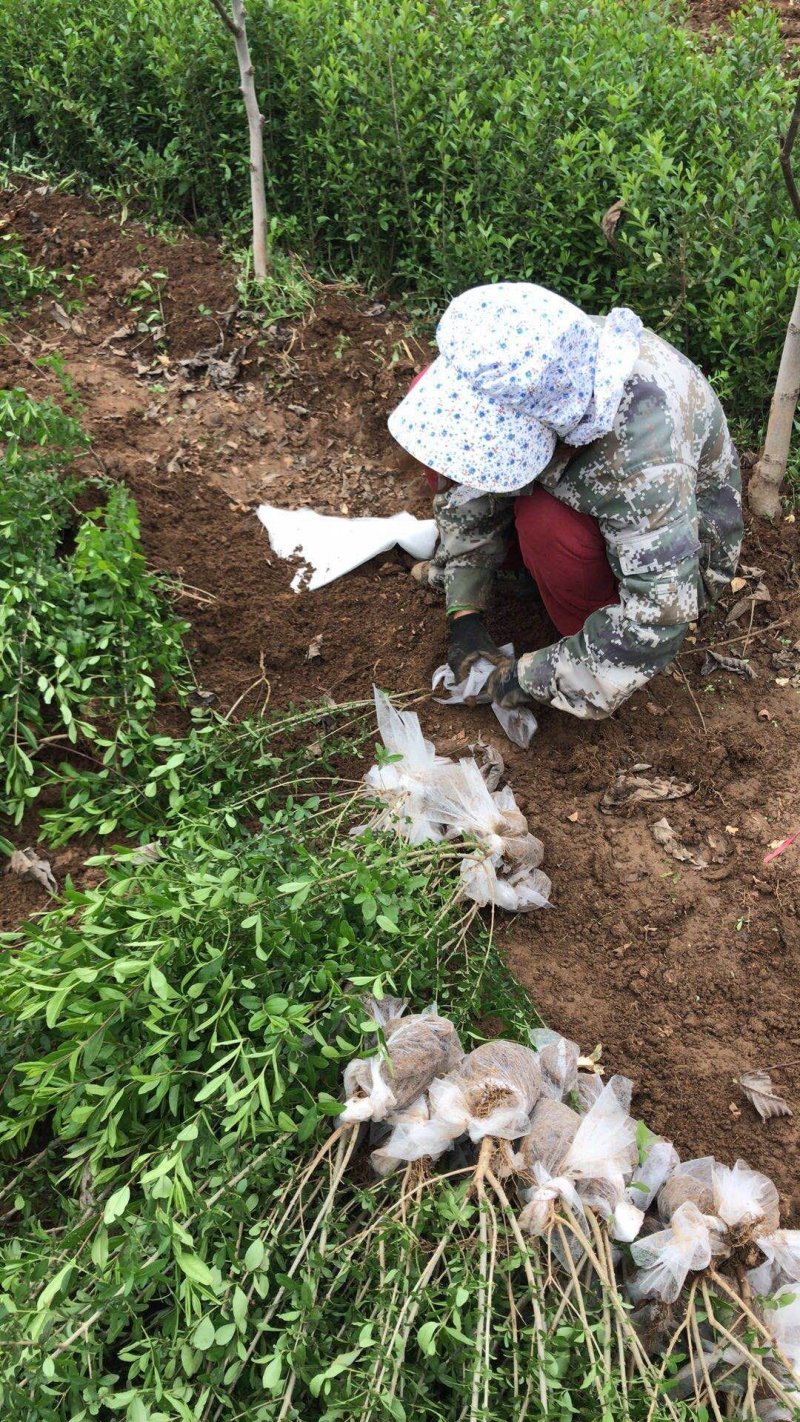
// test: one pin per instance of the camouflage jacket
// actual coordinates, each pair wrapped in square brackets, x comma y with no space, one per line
[664,485]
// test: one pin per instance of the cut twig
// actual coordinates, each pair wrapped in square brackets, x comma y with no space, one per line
[687,684]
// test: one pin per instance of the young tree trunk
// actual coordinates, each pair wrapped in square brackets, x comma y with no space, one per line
[764,489]
[235,22]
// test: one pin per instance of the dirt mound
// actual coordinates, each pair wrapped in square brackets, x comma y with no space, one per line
[686,977]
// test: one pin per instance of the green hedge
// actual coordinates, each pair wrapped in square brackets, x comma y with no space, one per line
[438,143]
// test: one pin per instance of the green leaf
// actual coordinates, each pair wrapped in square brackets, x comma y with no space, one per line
[159,984]
[116,1204]
[204,1335]
[425,1338]
[49,1292]
[193,1266]
[386,924]
[271,1376]
[254,1255]
[239,1306]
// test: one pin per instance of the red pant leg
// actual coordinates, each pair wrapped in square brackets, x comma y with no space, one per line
[565,552]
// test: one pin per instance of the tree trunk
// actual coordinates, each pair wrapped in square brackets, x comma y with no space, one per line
[765,484]
[255,124]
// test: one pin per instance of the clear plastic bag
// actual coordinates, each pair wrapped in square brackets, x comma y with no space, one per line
[492,1092]
[413,1136]
[520,891]
[595,1166]
[781,1264]
[782,1322]
[458,799]
[588,1088]
[518,722]
[553,1127]
[401,785]
[692,1180]
[558,1058]
[418,1048]
[745,1200]
[652,1173]
[541,1200]
[666,1258]
[604,1147]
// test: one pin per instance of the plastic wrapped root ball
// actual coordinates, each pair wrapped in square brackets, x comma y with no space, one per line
[418,1048]
[691,1181]
[558,1057]
[401,785]
[518,892]
[492,1092]
[745,1200]
[781,1262]
[665,1259]
[553,1128]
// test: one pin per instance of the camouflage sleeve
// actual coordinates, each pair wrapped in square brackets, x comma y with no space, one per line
[474,533]
[719,503]
[620,647]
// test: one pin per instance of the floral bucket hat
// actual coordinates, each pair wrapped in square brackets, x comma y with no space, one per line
[518,369]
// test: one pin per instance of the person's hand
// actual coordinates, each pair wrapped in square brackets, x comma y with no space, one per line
[503,685]
[469,640]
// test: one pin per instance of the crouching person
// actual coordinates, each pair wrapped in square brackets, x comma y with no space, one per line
[605,453]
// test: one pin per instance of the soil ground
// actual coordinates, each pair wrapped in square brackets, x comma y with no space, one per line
[707,13]
[686,977]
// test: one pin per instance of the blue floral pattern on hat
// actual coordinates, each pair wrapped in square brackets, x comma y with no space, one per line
[519,368]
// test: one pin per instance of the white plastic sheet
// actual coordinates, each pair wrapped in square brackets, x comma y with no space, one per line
[329,546]
[518,722]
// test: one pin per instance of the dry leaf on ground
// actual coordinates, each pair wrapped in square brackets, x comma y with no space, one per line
[632,789]
[757,1087]
[314,648]
[664,834]
[713,661]
[27,864]
[759,594]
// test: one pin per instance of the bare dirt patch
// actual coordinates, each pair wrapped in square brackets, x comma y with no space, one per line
[685,976]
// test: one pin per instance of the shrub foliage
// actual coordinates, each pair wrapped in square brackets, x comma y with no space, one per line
[84,644]
[439,143]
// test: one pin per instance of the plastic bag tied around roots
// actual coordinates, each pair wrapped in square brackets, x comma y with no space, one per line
[401,785]
[504,870]
[691,1181]
[426,798]
[492,1092]
[558,1057]
[666,1258]
[518,722]
[782,1322]
[418,1048]
[649,1176]
[744,1200]
[781,1264]
[596,1165]
[553,1127]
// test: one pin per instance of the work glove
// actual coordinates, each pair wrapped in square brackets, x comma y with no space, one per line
[503,685]
[469,640]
